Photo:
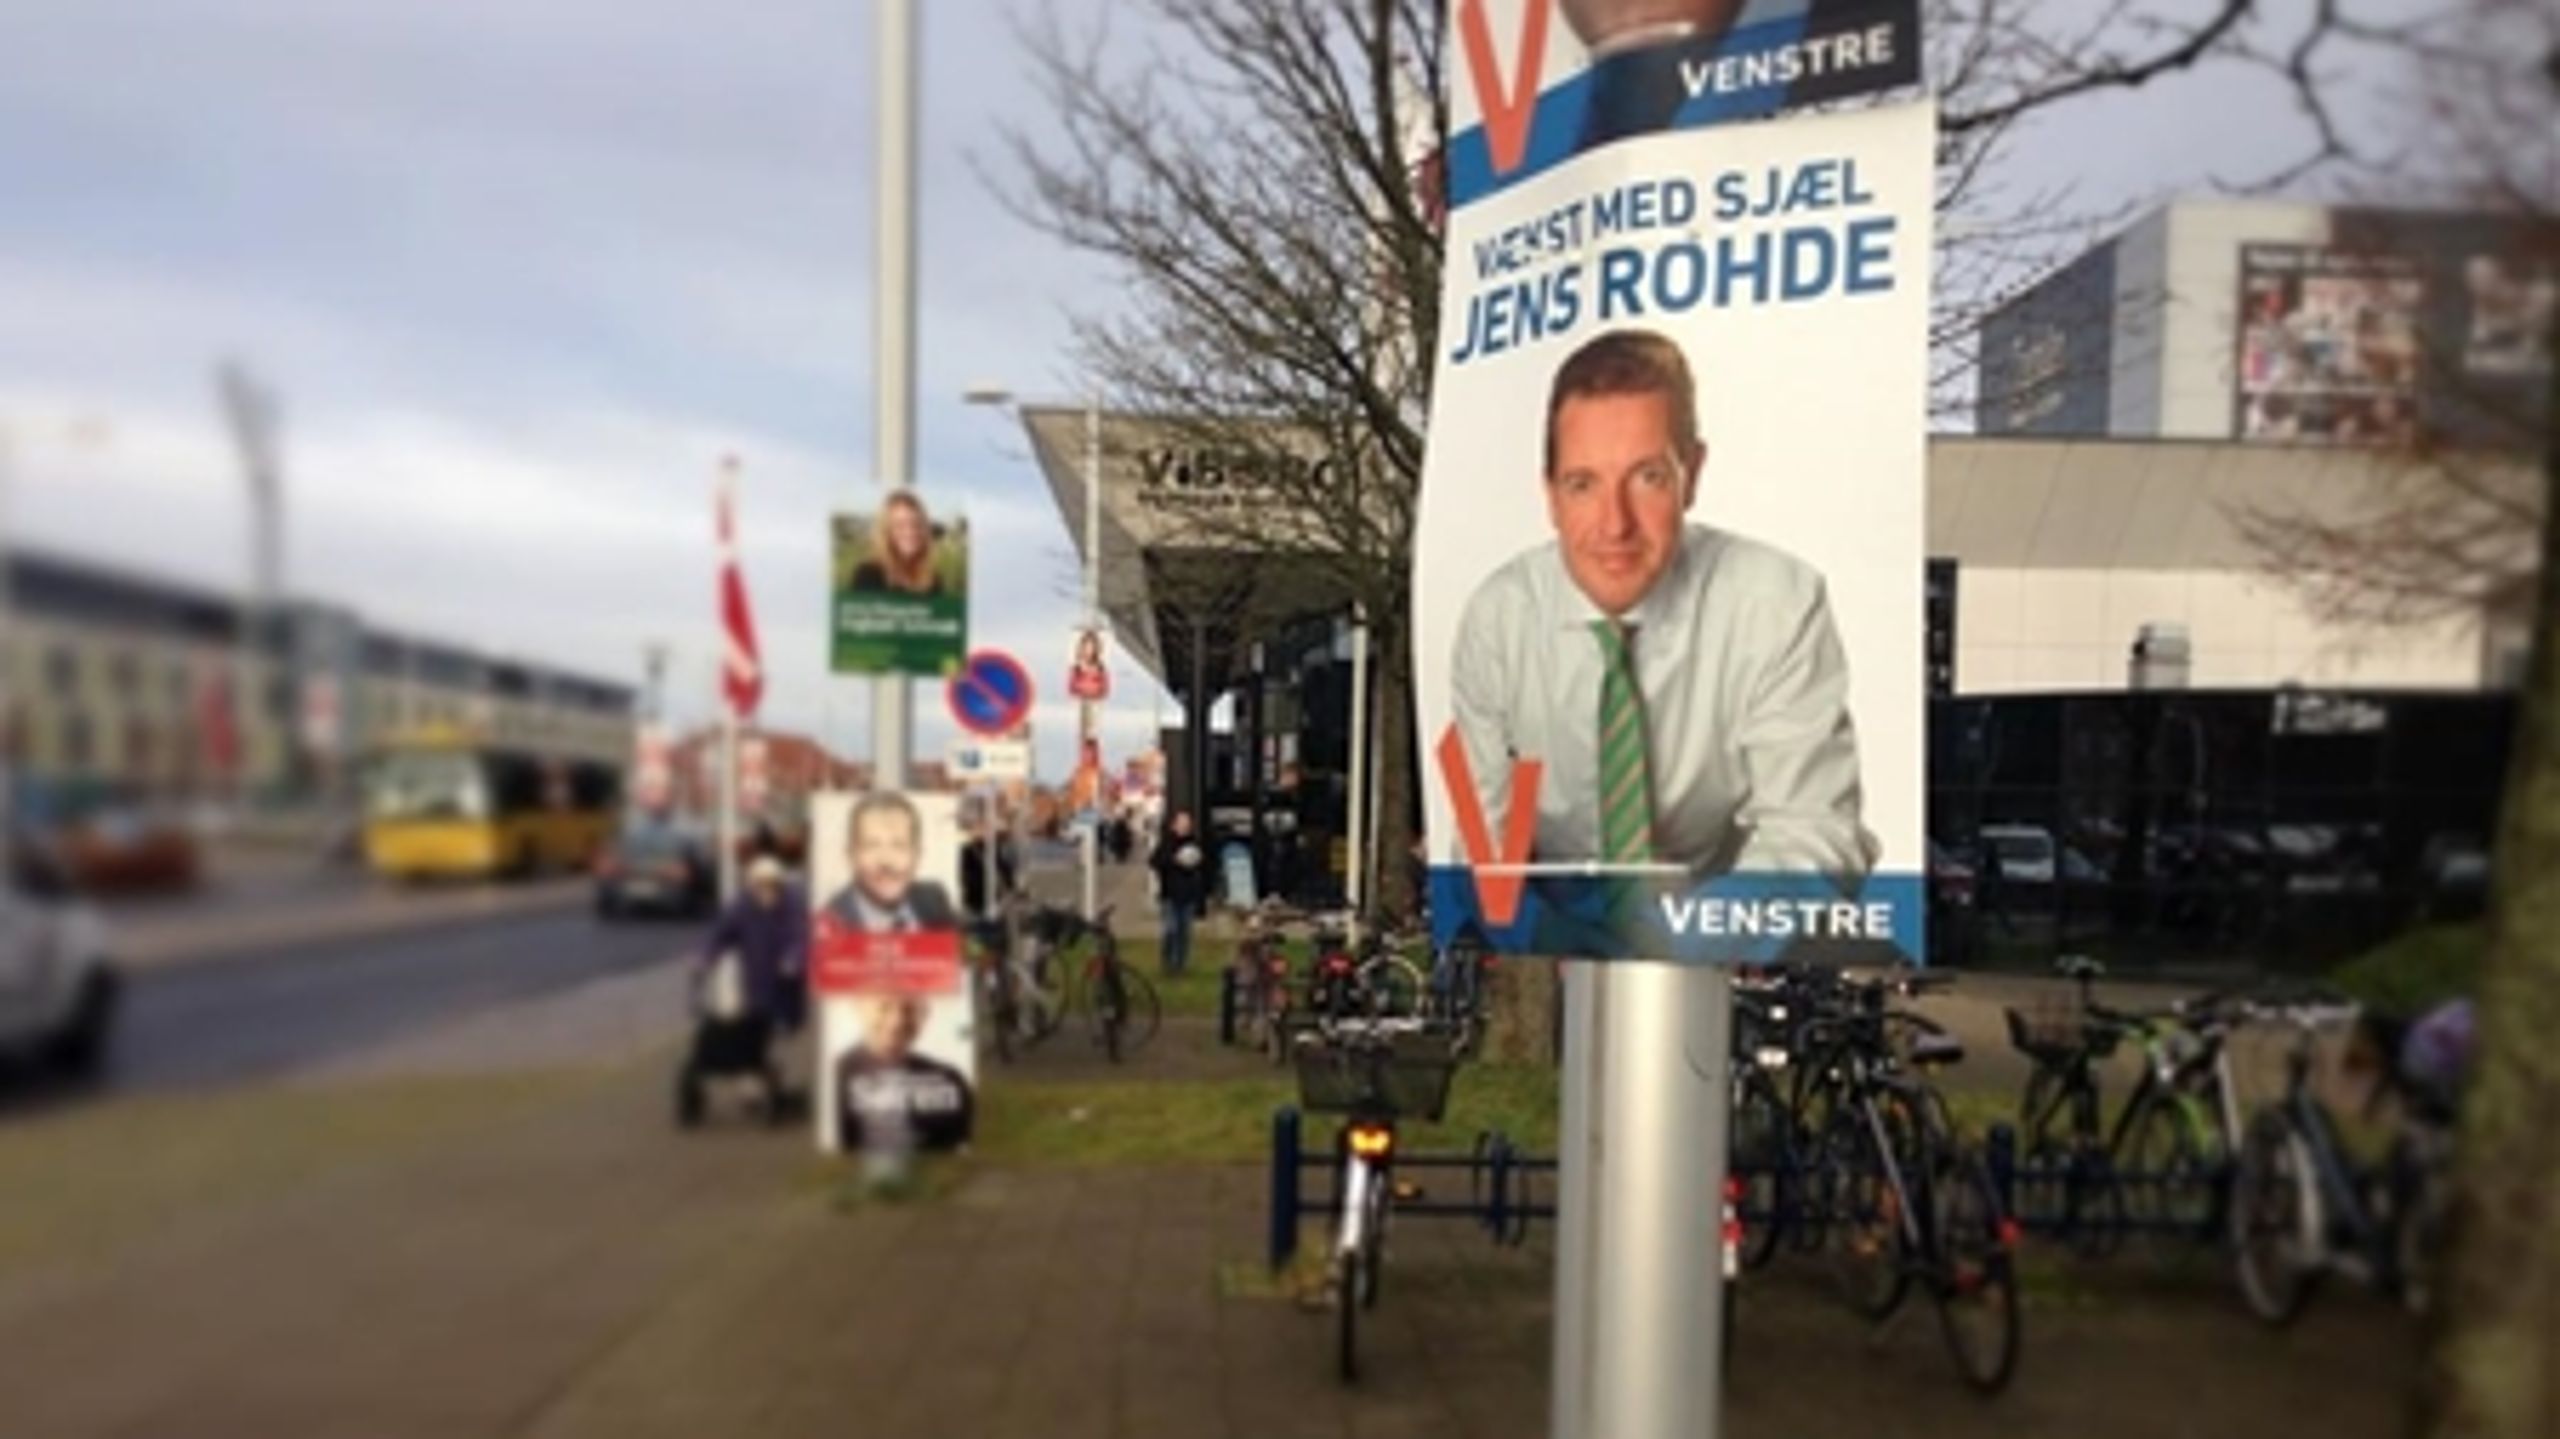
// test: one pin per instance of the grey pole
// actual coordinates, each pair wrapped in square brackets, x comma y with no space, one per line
[1355,818]
[894,360]
[1089,739]
[1640,1278]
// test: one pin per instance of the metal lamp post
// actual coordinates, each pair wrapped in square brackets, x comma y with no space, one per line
[1088,711]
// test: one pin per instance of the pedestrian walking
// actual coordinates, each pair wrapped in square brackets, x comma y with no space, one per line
[1182,877]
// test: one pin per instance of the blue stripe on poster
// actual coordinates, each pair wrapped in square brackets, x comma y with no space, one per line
[1754,71]
[1728,919]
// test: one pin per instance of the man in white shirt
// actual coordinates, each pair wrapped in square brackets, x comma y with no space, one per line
[1682,686]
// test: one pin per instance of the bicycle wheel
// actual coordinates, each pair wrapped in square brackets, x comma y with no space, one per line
[2275,1220]
[1374,1240]
[1976,1272]
[1815,1188]
[1141,1010]
[1347,1278]
[1868,1247]
[1390,985]
[1108,984]
[1002,1016]
[2161,1168]
[1760,1161]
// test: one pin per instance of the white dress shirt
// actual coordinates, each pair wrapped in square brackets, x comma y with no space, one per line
[1754,760]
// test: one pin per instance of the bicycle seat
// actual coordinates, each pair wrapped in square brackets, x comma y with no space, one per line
[1931,1049]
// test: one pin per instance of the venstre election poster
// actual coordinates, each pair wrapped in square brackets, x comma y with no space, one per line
[1669,569]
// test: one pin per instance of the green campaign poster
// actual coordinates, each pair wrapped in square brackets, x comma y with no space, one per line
[899,591]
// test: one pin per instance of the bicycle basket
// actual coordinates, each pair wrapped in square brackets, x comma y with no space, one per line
[1408,1083]
[2049,1030]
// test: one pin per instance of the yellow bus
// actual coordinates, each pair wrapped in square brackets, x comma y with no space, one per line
[445,805]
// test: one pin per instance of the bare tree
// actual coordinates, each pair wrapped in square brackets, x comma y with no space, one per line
[1261,175]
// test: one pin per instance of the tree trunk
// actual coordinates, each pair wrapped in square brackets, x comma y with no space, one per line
[2490,1369]
[1392,748]
[1528,999]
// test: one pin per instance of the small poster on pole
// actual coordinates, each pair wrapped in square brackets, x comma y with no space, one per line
[899,591]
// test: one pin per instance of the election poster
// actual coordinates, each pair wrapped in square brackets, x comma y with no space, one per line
[1088,674]
[899,591]
[1668,578]
[897,1053]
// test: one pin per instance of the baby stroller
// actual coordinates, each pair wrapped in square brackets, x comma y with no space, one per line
[731,1041]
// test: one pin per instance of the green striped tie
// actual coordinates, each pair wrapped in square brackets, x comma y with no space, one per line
[1626,773]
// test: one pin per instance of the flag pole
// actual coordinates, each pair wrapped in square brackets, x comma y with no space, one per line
[728,801]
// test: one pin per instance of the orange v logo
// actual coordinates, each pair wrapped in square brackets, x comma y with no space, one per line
[1497,895]
[1507,109]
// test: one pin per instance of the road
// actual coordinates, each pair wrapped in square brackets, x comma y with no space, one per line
[272,1013]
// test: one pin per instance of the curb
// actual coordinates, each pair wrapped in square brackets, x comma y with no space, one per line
[178,942]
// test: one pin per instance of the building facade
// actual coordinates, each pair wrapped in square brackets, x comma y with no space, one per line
[156,688]
[2272,321]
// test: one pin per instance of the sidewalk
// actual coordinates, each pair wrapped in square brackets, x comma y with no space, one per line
[574,1268]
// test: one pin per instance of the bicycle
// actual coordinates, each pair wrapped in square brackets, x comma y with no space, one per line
[1383,981]
[2070,1170]
[1460,991]
[1024,1000]
[2166,1161]
[1262,981]
[1907,1203]
[2300,1211]
[1361,1070]
[1119,1004]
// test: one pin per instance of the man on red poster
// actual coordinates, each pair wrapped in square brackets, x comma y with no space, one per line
[886,929]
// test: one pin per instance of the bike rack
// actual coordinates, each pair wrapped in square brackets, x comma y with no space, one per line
[1500,1190]
[2012,1177]
[1497,1195]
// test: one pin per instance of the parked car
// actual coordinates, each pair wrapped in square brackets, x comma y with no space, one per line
[1951,878]
[656,867]
[2024,853]
[102,841]
[58,990]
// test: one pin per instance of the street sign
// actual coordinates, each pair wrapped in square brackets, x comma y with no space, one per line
[991,694]
[990,761]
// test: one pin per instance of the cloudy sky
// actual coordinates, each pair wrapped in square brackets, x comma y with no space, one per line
[523,272]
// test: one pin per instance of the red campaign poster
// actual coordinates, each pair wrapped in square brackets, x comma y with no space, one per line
[845,959]
[1088,677]
[895,1034]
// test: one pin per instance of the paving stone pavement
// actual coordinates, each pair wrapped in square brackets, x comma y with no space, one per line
[579,1270]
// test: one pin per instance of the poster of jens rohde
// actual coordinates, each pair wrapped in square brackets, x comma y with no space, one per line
[1668,579]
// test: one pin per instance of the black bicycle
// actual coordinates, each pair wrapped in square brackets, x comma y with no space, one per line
[1905,1203]
[2070,1171]
[2301,1211]
[1119,1004]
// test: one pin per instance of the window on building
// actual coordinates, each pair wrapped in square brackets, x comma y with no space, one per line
[62,669]
[124,674]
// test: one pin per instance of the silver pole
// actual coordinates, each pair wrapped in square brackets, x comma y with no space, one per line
[1090,738]
[1356,819]
[894,362]
[1639,1272]
[8,648]
[728,802]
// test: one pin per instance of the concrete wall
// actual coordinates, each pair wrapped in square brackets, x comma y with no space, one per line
[2043,629]
[2200,314]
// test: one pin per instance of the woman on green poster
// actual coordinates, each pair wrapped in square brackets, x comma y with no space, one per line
[901,551]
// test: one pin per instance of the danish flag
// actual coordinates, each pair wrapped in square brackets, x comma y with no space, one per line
[742,675]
